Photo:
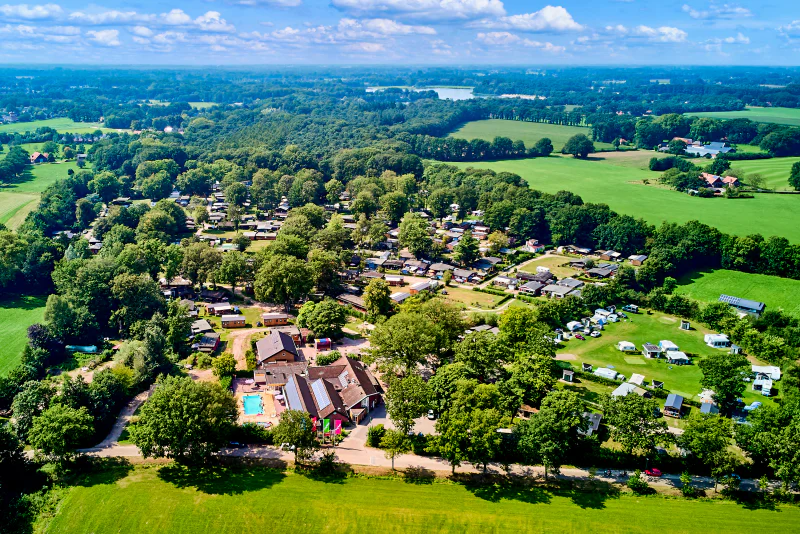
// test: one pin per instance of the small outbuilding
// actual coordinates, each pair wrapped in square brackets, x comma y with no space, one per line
[233,321]
[651,351]
[673,405]
[568,375]
[677,357]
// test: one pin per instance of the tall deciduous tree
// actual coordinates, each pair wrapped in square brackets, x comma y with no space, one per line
[467,250]
[296,429]
[402,342]
[283,279]
[725,374]
[406,399]
[60,430]
[377,298]
[579,146]
[634,423]
[413,233]
[185,420]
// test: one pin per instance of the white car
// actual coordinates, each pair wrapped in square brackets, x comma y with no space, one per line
[595,334]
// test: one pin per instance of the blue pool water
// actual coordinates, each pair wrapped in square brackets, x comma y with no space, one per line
[252,405]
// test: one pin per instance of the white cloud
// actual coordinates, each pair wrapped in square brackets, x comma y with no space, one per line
[715,11]
[142,31]
[369,48]
[176,17]
[110,17]
[547,19]
[358,29]
[508,39]
[425,9]
[662,34]
[105,37]
[792,29]
[212,21]
[30,12]
[50,34]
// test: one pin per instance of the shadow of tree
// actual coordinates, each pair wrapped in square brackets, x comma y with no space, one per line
[494,488]
[221,480]
[592,494]
[418,475]
[90,471]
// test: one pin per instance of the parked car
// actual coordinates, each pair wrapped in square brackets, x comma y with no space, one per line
[578,336]
[653,472]
[595,334]
[431,414]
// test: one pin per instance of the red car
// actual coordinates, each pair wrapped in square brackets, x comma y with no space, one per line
[653,472]
[578,336]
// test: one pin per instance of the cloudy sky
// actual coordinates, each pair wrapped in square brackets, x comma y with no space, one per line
[247,32]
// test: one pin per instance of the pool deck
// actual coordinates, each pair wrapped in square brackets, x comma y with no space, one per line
[272,407]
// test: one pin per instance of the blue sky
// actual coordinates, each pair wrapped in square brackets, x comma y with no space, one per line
[250,32]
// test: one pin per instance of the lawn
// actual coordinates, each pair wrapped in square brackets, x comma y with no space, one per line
[642,328]
[171,500]
[554,263]
[789,116]
[774,291]
[775,171]
[16,315]
[202,105]
[62,125]
[21,197]
[621,187]
[528,132]
[470,298]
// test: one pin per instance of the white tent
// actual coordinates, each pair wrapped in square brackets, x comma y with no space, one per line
[636,379]
[574,325]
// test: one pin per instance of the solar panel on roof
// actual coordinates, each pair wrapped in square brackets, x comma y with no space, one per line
[321,394]
[292,396]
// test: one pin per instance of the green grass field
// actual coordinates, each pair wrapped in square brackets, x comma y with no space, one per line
[775,171]
[556,264]
[642,328]
[602,181]
[774,291]
[21,197]
[62,125]
[528,132]
[789,116]
[16,315]
[171,500]
[470,298]
[202,105]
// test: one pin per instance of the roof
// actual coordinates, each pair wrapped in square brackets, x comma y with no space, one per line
[352,299]
[606,373]
[441,267]
[708,407]
[737,302]
[279,373]
[233,318]
[350,378]
[570,282]
[201,325]
[275,316]
[557,289]
[532,286]
[674,401]
[625,389]
[274,343]
[636,379]
[463,273]
[677,355]
[400,296]
[649,347]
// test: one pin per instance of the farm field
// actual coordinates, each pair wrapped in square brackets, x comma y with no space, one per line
[642,328]
[169,499]
[528,132]
[774,291]
[62,125]
[775,171]
[16,315]
[789,116]
[620,187]
[554,263]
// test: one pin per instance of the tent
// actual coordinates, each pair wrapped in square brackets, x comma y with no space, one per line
[572,326]
[606,373]
[677,357]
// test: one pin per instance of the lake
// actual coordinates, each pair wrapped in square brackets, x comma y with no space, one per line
[445,93]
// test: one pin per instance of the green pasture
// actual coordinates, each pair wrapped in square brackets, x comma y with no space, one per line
[471,299]
[598,179]
[528,132]
[14,207]
[789,116]
[62,125]
[640,329]
[21,197]
[16,315]
[202,105]
[170,499]
[775,292]
[775,171]
[558,265]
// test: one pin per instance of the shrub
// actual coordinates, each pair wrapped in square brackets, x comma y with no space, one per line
[226,382]
[329,358]
[327,463]
[375,435]
[687,488]
[637,484]
[204,361]
[252,433]
[250,358]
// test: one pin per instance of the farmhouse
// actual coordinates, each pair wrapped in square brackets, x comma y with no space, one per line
[276,347]
[38,157]
[745,306]
[233,321]
[317,398]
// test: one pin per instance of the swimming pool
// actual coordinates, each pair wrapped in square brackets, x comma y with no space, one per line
[252,404]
